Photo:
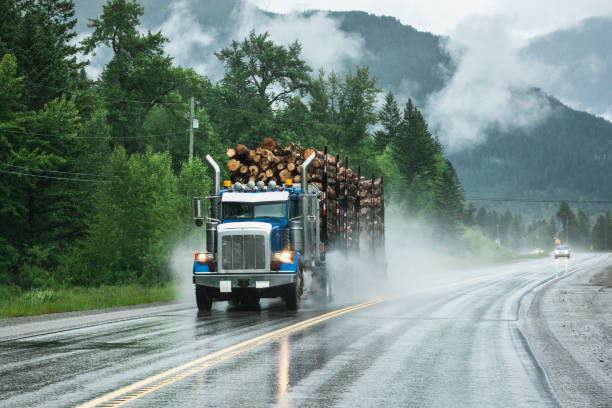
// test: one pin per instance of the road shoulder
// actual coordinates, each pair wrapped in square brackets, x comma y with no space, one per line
[568,325]
[20,327]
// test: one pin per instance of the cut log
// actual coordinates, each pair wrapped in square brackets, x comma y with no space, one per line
[253,170]
[285,175]
[242,150]
[308,152]
[269,173]
[233,165]
[297,179]
[280,167]
[269,143]
[262,177]
[291,166]
[230,153]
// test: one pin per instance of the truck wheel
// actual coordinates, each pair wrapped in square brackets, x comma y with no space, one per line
[203,301]
[294,292]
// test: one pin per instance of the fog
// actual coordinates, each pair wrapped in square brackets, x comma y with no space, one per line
[490,87]
[324,45]
[187,38]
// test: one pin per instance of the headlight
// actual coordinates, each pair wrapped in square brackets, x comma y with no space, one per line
[285,257]
[204,257]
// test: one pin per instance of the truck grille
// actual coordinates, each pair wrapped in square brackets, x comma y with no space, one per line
[243,252]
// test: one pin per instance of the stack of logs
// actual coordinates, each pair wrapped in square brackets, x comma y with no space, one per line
[347,195]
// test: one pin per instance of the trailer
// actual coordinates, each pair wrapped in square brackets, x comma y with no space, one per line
[270,237]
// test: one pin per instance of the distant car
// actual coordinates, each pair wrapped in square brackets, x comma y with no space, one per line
[562,251]
[538,251]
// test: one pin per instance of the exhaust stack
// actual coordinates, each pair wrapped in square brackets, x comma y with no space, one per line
[305,201]
[304,175]
[217,184]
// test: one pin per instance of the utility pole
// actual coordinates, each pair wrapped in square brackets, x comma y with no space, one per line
[566,231]
[191,130]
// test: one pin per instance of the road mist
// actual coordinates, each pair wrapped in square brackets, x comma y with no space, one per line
[181,264]
[413,258]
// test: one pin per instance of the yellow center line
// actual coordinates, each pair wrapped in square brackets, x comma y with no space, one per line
[265,338]
[140,388]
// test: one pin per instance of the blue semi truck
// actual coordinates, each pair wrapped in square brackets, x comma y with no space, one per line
[264,240]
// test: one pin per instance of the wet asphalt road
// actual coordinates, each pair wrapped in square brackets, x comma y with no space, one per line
[447,341]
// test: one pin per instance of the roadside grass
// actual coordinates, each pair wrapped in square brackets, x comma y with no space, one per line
[16,302]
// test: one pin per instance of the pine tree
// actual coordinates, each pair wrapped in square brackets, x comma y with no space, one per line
[567,218]
[390,118]
[139,76]
[42,41]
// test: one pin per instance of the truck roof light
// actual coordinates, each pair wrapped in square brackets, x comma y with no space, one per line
[288,182]
[227,183]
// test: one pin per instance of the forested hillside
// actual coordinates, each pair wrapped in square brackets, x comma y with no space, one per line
[564,156]
[567,156]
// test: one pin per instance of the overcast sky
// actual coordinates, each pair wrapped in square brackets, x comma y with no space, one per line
[529,17]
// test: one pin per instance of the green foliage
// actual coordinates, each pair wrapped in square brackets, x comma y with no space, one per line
[135,217]
[259,76]
[568,221]
[390,120]
[138,77]
[601,234]
[106,190]
[40,34]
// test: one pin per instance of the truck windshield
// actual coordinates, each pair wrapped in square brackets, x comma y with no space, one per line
[242,211]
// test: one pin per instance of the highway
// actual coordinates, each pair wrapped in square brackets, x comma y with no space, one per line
[442,340]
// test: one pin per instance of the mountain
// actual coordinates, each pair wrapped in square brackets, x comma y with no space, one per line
[568,155]
[581,60]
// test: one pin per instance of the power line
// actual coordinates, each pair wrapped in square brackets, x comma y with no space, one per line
[91,137]
[52,177]
[50,171]
[528,200]
[104,97]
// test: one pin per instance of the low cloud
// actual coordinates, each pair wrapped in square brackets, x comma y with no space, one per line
[489,87]
[188,40]
[324,44]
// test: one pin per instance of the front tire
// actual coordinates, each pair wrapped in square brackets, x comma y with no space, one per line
[294,292]
[203,300]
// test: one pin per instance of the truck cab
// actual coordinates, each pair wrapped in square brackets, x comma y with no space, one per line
[261,240]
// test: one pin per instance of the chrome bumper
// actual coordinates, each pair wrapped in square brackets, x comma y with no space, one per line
[245,280]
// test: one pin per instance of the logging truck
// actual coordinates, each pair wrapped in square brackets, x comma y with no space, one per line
[270,227]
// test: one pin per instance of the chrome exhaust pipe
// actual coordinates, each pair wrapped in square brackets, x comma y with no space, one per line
[217,184]
[304,175]
[307,247]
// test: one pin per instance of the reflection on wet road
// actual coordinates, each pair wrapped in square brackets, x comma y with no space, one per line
[451,343]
